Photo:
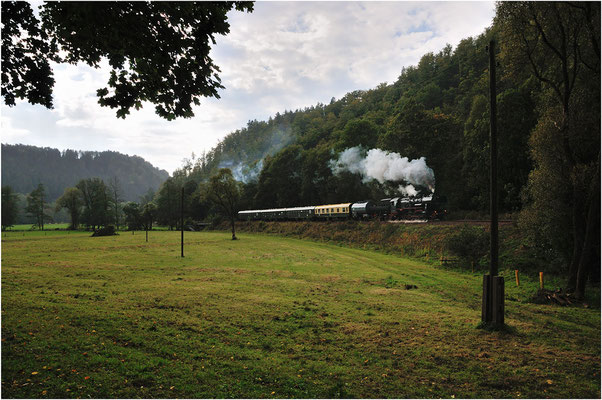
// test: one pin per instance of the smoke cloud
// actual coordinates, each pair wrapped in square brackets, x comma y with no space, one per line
[384,166]
[246,167]
[242,172]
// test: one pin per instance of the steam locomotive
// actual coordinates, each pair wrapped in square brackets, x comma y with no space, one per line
[397,208]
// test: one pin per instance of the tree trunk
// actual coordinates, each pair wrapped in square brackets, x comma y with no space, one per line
[586,252]
[578,222]
[593,216]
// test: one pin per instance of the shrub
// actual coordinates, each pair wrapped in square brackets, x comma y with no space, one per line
[470,244]
[106,231]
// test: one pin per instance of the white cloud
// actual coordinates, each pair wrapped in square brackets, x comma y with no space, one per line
[10,133]
[284,55]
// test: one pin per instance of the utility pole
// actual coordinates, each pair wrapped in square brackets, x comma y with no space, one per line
[493,285]
[493,268]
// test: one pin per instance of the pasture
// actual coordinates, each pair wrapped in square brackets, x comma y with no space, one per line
[271,317]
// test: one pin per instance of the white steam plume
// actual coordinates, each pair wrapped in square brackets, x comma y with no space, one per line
[384,167]
[409,190]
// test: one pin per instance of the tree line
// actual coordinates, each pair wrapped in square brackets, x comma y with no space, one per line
[93,204]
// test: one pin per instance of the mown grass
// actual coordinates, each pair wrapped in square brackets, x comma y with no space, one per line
[32,227]
[267,316]
[427,242]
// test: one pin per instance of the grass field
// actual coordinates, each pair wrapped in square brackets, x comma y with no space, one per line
[267,316]
[31,227]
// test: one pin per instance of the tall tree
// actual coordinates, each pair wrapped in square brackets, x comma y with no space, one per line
[158,51]
[560,43]
[225,192]
[36,204]
[133,218]
[71,200]
[167,200]
[116,199]
[10,208]
[149,213]
[96,199]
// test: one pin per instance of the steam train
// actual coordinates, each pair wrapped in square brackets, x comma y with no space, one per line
[397,208]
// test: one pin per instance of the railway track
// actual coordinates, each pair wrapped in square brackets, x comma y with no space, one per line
[481,222]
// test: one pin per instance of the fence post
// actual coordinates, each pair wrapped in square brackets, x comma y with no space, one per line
[516,274]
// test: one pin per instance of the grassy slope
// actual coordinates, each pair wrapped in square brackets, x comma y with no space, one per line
[267,316]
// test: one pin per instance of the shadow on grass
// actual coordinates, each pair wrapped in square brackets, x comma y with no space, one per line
[494,327]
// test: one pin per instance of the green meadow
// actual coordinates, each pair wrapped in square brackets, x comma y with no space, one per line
[271,317]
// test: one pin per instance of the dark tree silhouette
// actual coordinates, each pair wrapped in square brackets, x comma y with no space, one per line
[158,51]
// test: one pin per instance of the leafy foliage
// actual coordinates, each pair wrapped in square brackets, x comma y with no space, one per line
[37,204]
[559,43]
[96,202]
[158,51]
[26,72]
[10,208]
[133,217]
[72,200]
[470,243]
[225,192]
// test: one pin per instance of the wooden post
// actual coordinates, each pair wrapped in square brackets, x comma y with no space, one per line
[541,280]
[497,307]
[493,285]
[147,234]
[516,275]
[486,309]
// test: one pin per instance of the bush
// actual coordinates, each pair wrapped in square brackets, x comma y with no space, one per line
[470,244]
[106,231]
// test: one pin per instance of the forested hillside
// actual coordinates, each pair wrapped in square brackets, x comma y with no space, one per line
[437,109]
[24,167]
[548,117]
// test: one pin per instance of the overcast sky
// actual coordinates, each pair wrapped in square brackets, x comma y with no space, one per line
[282,56]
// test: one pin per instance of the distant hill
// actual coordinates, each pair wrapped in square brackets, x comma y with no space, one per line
[23,167]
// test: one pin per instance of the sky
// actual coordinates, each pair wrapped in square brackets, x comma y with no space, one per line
[282,56]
